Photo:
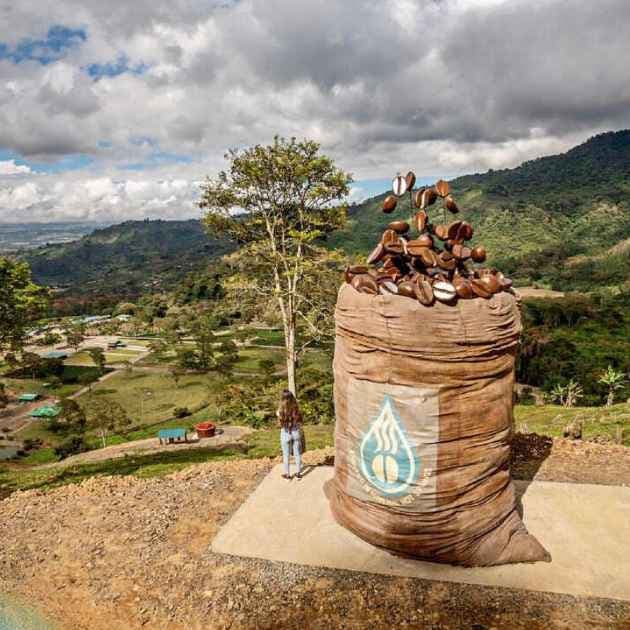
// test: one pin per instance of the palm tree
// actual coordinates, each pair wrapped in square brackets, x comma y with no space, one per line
[613,379]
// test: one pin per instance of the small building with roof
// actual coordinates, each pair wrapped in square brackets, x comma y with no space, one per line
[45,411]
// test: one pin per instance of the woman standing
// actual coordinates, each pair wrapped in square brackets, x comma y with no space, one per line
[290,421]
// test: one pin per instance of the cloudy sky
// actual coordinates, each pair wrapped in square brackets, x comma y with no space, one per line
[114,110]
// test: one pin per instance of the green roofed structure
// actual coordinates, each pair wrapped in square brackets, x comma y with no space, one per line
[28,397]
[169,436]
[46,411]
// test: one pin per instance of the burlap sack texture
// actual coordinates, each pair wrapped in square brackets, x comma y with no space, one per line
[423,400]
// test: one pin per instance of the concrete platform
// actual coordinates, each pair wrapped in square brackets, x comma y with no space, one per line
[586,528]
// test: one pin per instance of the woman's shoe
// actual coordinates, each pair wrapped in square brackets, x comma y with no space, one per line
[286,477]
[298,476]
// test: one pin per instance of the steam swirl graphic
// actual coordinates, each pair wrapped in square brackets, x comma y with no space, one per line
[388,460]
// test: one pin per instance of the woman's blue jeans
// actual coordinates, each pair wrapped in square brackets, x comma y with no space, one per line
[286,438]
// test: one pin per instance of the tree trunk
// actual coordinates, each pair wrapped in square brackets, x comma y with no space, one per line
[611,398]
[290,351]
[103,438]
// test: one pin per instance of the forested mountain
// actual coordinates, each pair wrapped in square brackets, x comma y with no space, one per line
[129,259]
[563,219]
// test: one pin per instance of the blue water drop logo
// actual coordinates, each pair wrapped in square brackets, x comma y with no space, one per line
[388,460]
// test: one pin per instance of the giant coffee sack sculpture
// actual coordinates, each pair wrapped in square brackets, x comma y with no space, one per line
[424,376]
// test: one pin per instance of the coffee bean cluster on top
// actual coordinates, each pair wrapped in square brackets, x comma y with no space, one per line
[435,265]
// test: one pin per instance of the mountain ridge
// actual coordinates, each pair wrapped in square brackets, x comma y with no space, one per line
[128,258]
[534,217]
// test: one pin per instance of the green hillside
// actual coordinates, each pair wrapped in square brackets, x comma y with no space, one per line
[126,259]
[561,220]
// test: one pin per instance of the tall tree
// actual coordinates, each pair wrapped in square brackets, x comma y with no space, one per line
[278,200]
[98,358]
[21,301]
[105,416]
[72,415]
[75,336]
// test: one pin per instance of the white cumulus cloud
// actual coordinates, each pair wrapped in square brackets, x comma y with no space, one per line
[9,167]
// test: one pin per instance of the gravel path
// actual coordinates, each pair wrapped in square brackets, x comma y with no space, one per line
[123,552]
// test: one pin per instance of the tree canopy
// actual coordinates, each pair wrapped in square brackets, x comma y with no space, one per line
[21,301]
[279,202]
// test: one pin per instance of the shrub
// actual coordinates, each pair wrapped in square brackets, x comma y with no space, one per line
[181,412]
[73,445]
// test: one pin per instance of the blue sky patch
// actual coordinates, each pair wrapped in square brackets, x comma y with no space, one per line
[157,159]
[115,68]
[67,163]
[58,41]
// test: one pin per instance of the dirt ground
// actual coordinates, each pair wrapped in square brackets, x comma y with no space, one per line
[125,553]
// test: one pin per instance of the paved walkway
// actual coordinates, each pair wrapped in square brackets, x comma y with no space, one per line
[586,528]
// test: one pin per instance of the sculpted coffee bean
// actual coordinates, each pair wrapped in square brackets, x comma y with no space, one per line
[446,261]
[424,292]
[389,285]
[389,204]
[441,231]
[453,230]
[407,288]
[428,257]
[460,231]
[395,248]
[450,205]
[389,236]
[410,180]
[444,291]
[424,240]
[442,188]
[377,253]
[491,282]
[354,270]
[418,268]
[478,254]
[466,231]
[428,198]
[365,284]
[399,185]
[421,219]
[506,283]
[479,288]
[461,252]
[463,288]
[417,197]
[399,226]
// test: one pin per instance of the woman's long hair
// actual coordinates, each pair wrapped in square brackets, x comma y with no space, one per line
[289,410]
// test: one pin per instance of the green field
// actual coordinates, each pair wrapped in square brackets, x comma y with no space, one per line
[119,355]
[149,397]
[551,420]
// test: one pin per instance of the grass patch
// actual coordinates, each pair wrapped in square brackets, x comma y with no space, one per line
[268,337]
[40,456]
[266,442]
[150,465]
[551,419]
[150,397]
[250,357]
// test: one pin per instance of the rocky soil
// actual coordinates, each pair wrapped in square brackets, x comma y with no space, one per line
[125,553]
